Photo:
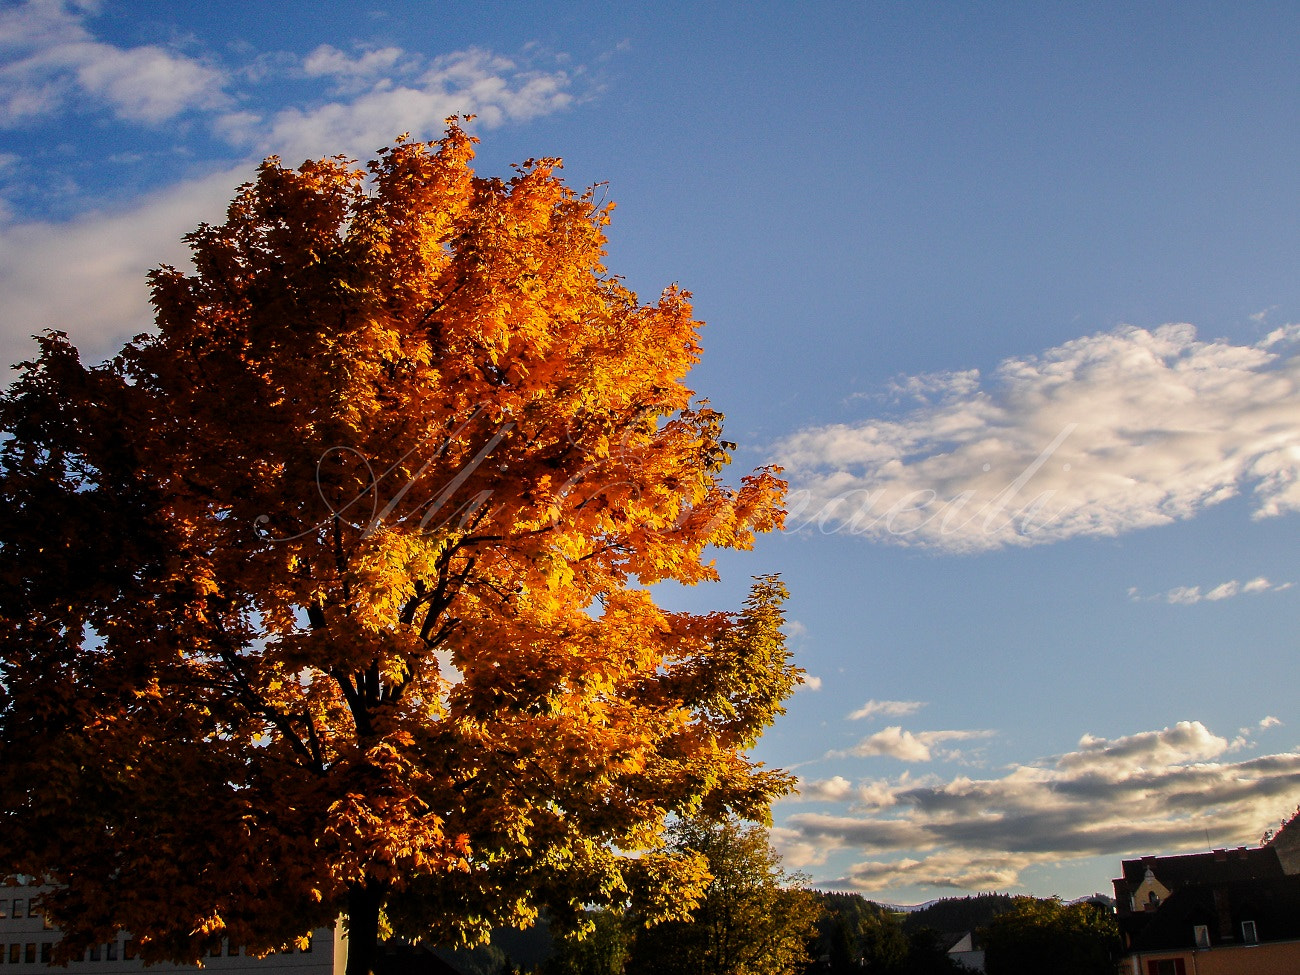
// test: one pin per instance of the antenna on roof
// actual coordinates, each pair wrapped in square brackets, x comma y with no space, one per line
[1208,848]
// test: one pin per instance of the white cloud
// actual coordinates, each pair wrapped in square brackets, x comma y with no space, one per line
[811,683]
[794,630]
[87,276]
[795,852]
[1190,595]
[894,742]
[1105,434]
[52,57]
[936,386]
[834,789]
[327,60]
[1151,792]
[893,709]
[1187,741]
[477,82]
[1269,722]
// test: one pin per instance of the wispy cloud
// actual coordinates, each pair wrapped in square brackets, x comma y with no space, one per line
[1106,434]
[907,746]
[1151,792]
[893,709]
[495,88]
[370,63]
[1190,595]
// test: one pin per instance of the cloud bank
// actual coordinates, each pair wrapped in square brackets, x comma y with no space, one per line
[1152,792]
[1102,435]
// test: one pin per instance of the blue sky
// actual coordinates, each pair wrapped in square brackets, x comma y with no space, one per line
[1009,289]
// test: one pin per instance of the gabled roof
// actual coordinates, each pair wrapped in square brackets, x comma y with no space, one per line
[1220,867]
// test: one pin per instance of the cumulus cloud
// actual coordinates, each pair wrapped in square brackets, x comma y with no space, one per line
[51,57]
[1187,741]
[895,742]
[893,709]
[1105,434]
[1151,792]
[1190,595]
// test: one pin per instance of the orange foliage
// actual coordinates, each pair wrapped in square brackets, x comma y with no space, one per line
[330,595]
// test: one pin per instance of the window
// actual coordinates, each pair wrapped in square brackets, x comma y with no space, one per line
[94,953]
[29,953]
[1248,934]
[47,952]
[1201,933]
[129,949]
[32,909]
[18,907]
[4,907]
[111,950]
[14,951]
[1167,966]
[232,949]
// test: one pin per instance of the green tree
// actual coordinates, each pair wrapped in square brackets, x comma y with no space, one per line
[1046,935]
[882,945]
[333,594]
[602,948]
[753,918]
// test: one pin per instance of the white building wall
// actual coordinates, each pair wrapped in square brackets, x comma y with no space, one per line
[27,943]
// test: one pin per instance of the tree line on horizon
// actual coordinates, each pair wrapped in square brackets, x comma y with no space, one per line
[850,935]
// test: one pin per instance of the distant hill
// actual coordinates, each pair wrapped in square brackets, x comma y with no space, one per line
[956,915]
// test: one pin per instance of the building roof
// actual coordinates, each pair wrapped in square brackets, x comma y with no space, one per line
[1219,867]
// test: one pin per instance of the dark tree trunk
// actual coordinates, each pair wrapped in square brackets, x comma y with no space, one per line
[364,902]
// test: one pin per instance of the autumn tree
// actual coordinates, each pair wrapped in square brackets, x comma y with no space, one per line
[331,595]
[753,918]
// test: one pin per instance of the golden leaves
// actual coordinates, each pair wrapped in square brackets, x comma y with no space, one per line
[387,486]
